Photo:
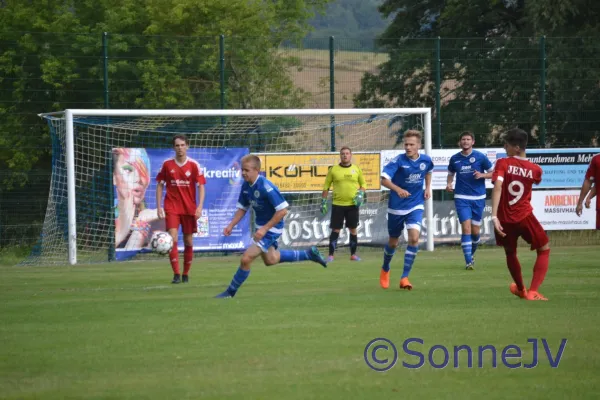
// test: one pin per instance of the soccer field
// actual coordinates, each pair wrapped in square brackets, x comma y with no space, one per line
[115,331]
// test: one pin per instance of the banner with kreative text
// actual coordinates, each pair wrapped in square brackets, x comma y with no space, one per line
[306,226]
[134,181]
[562,168]
[306,172]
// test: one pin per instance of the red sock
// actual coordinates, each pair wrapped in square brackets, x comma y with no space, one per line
[515,269]
[188,255]
[174,257]
[539,269]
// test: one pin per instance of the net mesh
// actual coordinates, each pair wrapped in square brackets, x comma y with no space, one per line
[99,190]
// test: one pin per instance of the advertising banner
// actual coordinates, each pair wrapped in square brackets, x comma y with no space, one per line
[305,226]
[441,158]
[563,168]
[555,209]
[134,179]
[306,172]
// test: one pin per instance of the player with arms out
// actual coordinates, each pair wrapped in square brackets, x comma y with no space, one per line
[592,177]
[348,195]
[512,213]
[180,175]
[404,176]
[269,208]
[469,166]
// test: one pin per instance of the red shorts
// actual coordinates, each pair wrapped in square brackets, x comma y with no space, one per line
[188,223]
[598,219]
[529,228]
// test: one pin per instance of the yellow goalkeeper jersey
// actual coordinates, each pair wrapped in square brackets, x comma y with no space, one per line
[346,181]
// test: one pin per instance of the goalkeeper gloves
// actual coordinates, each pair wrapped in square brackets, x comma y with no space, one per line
[359,199]
[324,206]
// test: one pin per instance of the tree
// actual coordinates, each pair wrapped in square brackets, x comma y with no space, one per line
[491,73]
[161,54]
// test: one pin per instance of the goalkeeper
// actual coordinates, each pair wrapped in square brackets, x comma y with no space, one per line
[348,195]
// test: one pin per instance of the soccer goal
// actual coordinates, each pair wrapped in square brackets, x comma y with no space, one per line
[102,206]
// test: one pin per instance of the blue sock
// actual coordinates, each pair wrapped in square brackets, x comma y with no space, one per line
[409,259]
[388,253]
[475,240]
[466,244]
[293,255]
[239,278]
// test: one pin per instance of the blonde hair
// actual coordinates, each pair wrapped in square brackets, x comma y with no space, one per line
[413,133]
[254,160]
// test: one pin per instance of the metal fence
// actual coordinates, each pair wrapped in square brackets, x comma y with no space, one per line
[549,86]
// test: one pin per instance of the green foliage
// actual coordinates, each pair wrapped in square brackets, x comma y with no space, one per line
[493,63]
[161,54]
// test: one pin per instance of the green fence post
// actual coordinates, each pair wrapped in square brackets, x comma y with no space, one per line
[332,90]
[438,87]
[543,91]
[105,64]
[222,73]
[108,177]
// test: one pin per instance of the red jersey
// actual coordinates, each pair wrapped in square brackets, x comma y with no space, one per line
[517,175]
[593,174]
[181,180]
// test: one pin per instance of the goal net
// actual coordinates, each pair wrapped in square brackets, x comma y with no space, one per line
[102,200]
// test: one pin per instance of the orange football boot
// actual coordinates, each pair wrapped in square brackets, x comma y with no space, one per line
[519,293]
[405,284]
[384,279]
[531,295]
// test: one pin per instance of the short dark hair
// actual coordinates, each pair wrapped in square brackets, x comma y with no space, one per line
[466,133]
[516,137]
[182,137]
[346,148]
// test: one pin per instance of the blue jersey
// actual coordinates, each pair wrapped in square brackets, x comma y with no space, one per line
[410,176]
[265,199]
[467,187]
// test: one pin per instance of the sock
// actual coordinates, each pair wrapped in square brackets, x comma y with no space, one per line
[539,270]
[466,244]
[353,244]
[239,278]
[188,255]
[293,255]
[333,238]
[515,269]
[174,257]
[388,253]
[475,242]
[409,259]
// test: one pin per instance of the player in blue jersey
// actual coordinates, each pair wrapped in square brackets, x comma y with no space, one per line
[269,210]
[404,176]
[470,167]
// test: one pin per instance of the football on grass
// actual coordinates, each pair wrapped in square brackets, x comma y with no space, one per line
[161,243]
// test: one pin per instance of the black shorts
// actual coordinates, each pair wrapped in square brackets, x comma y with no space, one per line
[341,213]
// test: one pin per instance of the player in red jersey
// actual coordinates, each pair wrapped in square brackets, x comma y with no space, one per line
[513,216]
[592,177]
[180,175]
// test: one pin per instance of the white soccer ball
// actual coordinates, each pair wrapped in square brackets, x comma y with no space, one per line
[161,243]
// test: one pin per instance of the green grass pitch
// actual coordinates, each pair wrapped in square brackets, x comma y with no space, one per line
[296,331]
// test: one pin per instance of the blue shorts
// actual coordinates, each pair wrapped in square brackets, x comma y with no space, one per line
[396,223]
[470,210]
[270,239]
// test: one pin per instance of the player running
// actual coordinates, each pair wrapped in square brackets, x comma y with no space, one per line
[513,216]
[592,177]
[469,166]
[404,176]
[180,175]
[269,208]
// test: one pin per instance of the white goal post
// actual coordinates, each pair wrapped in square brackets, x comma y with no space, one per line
[70,117]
